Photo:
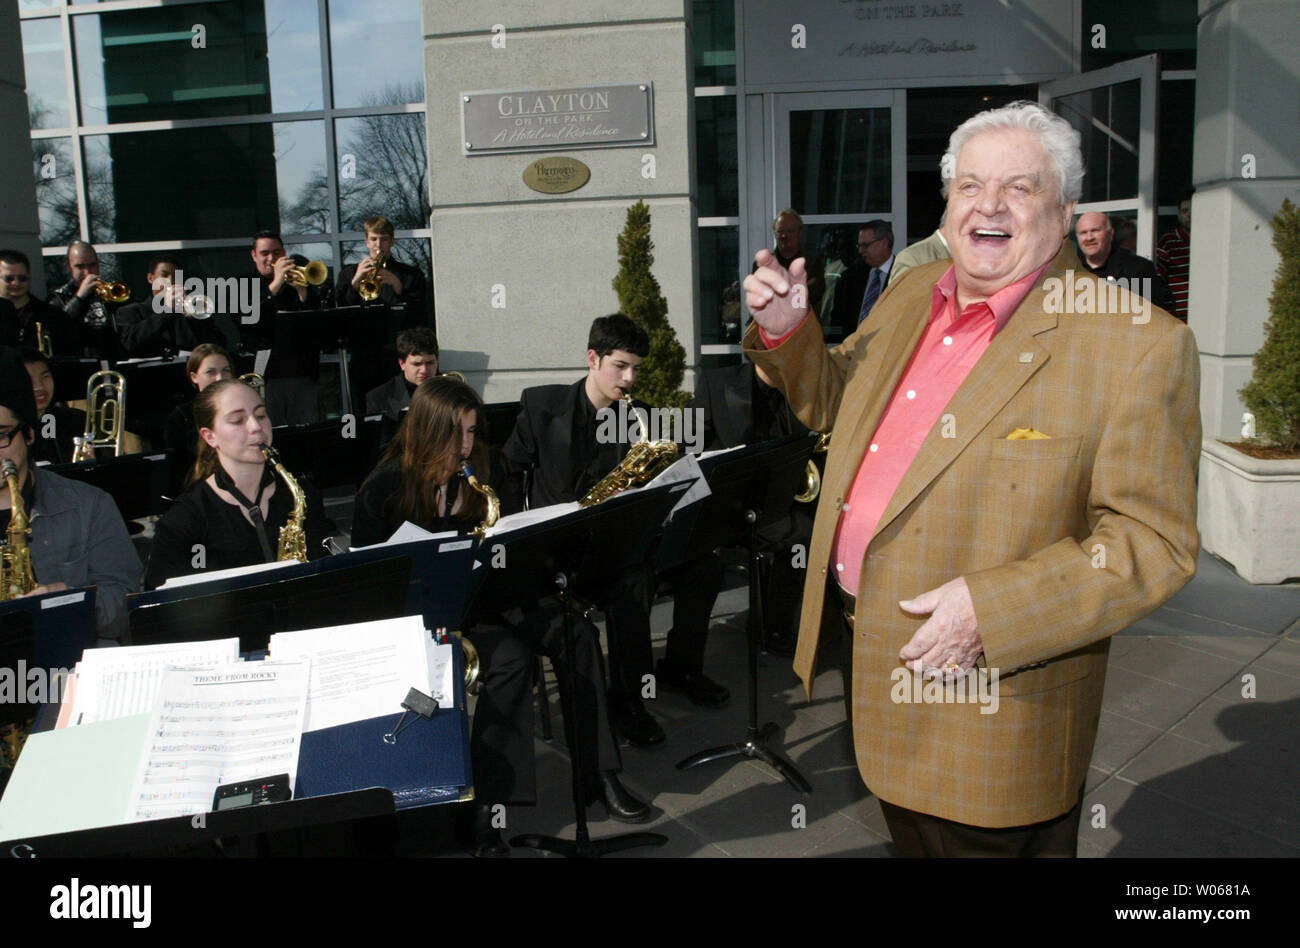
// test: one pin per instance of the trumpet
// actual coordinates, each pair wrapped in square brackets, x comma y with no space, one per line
[105,415]
[198,307]
[313,274]
[43,341]
[113,292]
[368,288]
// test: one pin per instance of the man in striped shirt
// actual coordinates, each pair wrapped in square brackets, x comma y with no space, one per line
[1172,254]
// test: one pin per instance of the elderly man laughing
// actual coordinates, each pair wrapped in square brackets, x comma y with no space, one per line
[1008,486]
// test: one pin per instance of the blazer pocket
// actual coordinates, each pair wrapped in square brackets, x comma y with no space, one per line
[1041,449]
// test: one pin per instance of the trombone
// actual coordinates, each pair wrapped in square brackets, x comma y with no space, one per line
[113,292]
[368,288]
[105,415]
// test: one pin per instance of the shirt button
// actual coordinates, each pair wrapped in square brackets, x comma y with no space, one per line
[911,393]
[845,508]
[839,567]
[947,340]
[875,448]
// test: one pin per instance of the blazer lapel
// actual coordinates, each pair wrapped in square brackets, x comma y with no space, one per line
[1011,360]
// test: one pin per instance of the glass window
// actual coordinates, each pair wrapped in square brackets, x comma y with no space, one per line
[714,31]
[377,53]
[1107,119]
[293,50]
[720,304]
[56,191]
[301,178]
[1177,126]
[383,169]
[144,65]
[1167,27]
[840,161]
[39,4]
[190,183]
[715,156]
[47,81]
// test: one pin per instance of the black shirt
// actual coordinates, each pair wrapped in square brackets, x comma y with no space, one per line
[227,538]
[68,423]
[376,517]
[1126,265]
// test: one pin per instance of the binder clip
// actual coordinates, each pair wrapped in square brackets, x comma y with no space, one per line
[417,702]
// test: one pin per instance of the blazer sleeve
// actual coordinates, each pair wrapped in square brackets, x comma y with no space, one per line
[1141,509]
[519,457]
[113,566]
[369,524]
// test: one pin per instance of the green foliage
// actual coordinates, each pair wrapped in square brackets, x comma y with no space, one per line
[660,379]
[1273,395]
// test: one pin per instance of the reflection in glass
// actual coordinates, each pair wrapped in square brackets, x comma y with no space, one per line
[293,51]
[840,161]
[715,156]
[56,191]
[47,81]
[383,168]
[300,177]
[1108,120]
[714,32]
[190,183]
[376,51]
[143,65]
[39,4]
[720,307]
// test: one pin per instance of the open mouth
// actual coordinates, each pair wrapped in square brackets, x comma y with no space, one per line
[989,236]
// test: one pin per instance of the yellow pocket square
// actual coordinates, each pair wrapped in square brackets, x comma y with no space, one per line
[1027,434]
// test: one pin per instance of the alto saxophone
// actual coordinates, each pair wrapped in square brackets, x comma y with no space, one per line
[293,535]
[16,576]
[644,461]
[493,502]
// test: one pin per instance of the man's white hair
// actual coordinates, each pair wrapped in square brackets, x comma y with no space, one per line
[1059,140]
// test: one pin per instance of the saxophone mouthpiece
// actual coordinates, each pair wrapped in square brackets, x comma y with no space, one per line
[9,469]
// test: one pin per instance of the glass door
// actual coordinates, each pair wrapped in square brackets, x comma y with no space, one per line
[1114,111]
[840,160]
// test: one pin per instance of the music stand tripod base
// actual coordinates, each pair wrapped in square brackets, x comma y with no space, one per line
[754,746]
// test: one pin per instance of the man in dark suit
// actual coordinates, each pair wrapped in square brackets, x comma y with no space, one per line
[555,455]
[399,284]
[417,358]
[1104,257]
[860,287]
[739,406]
[158,324]
[291,373]
[19,319]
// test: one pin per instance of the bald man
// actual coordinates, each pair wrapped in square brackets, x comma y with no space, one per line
[1102,256]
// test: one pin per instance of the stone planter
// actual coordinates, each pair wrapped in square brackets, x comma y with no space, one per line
[1248,511]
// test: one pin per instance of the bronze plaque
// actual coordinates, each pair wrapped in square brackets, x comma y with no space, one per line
[557,175]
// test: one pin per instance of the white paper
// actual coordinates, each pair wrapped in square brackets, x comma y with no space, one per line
[207,576]
[407,533]
[120,681]
[359,671]
[528,517]
[213,726]
[442,673]
[684,468]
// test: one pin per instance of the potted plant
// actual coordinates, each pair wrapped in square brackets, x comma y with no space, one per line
[1249,490]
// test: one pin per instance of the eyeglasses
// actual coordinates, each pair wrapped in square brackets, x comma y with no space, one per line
[16,277]
[869,243]
[7,435]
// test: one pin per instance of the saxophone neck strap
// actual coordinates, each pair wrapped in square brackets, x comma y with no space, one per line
[252,507]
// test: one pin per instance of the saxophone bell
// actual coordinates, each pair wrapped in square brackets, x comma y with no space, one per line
[293,535]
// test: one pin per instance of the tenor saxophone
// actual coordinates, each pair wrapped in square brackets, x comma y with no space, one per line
[644,461]
[293,535]
[16,576]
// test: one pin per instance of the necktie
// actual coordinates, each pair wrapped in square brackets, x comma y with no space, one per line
[869,297]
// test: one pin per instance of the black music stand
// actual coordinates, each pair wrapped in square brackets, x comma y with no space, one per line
[577,554]
[751,487]
[138,483]
[340,330]
[153,388]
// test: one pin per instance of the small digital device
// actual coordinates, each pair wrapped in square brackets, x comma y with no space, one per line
[232,796]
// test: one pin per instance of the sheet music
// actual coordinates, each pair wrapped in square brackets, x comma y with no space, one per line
[526,518]
[118,682]
[362,670]
[207,576]
[684,468]
[407,533]
[212,726]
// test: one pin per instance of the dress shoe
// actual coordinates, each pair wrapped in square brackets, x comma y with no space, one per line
[619,802]
[635,723]
[488,843]
[700,690]
[780,644]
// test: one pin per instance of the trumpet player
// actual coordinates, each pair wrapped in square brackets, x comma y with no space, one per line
[83,298]
[398,283]
[147,329]
[28,311]
[295,364]
[77,537]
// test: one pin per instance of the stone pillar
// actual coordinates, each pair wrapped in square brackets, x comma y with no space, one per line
[552,257]
[1246,160]
[19,225]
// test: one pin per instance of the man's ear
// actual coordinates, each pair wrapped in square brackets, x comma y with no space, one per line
[593,360]
[1067,219]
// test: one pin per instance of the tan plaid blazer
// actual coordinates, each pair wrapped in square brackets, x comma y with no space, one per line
[1063,541]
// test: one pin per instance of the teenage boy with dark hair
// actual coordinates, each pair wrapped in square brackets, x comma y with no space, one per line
[56,425]
[417,358]
[554,446]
